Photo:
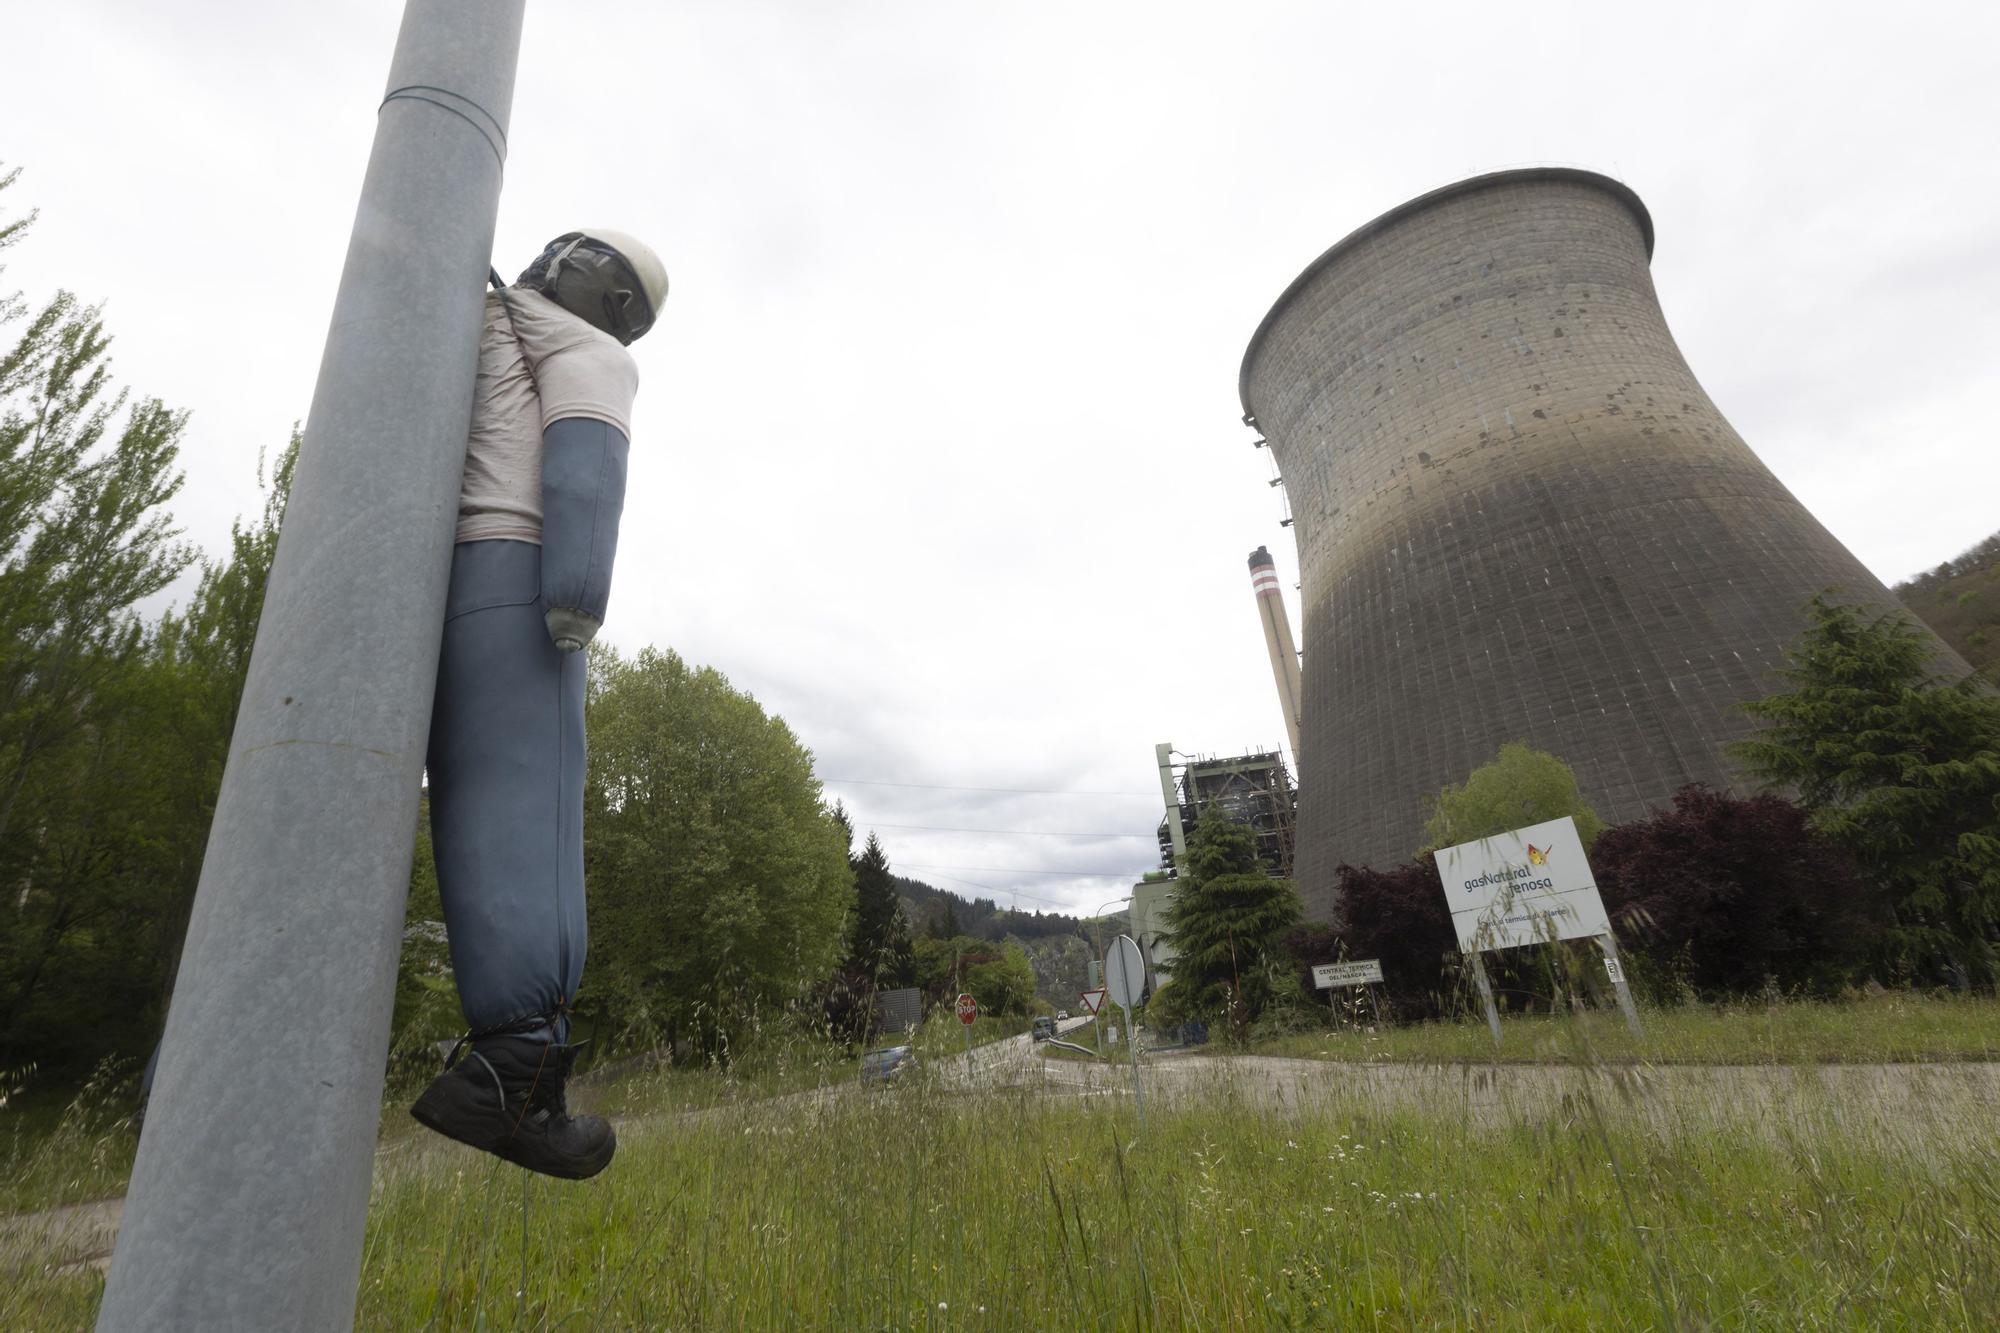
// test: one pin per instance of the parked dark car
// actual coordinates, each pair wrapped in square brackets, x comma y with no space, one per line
[1042,1028]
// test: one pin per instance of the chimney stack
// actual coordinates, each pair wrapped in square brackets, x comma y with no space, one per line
[1278,639]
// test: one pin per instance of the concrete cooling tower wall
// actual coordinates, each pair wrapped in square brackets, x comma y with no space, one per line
[1518,515]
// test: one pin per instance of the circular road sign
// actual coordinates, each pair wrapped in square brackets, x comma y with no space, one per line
[1125,972]
[968,1009]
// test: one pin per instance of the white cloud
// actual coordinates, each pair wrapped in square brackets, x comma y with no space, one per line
[937,449]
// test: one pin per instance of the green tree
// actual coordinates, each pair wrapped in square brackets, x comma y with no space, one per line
[1003,985]
[1518,787]
[719,880]
[1899,767]
[85,772]
[995,973]
[880,947]
[122,808]
[84,535]
[942,921]
[1224,921]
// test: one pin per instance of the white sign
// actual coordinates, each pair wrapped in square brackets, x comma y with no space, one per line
[1524,887]
[1093,1000]
[1125,972]
[1328,975]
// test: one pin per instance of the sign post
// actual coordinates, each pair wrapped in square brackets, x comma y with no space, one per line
[1624,992]
[1486,995]
[1530,886]
[968,1014]
[1125,979]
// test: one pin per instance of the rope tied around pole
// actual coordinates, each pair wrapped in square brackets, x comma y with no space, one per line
[496,137]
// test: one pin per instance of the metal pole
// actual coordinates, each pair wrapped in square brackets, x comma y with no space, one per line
[250,1192]
[1486,995]
[1617,971]
[1132,1045]
[968,1051]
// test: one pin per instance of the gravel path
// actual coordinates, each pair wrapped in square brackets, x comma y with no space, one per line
[1939,1103]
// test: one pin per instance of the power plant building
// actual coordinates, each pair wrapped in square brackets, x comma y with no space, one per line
[1518,515]
[1254,790]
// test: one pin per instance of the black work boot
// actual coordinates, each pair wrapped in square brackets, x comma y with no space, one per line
[506,1097]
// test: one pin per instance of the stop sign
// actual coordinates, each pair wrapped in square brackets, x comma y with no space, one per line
[968,1009]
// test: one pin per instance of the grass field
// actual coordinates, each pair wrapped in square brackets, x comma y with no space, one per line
[1888,1027]
[932,1207]
[60,1147]
[925,1209]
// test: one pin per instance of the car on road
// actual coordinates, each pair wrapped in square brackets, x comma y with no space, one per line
[1042,1028]
[887,1066]
[1062,1015]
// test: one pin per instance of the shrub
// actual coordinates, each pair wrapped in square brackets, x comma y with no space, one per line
[1399,916]
[1731,894]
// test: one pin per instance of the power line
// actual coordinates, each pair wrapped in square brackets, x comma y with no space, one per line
[1016,870]
[1012,893]
[1017,791]
[1020,832]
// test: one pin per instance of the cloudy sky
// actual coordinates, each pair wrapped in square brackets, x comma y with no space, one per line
[937,449]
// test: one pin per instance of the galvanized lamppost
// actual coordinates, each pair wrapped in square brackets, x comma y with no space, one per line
[250,1192]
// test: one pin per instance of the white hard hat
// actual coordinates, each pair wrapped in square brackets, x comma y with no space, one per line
[646,265]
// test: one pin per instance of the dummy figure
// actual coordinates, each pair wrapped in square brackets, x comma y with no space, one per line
[530,579]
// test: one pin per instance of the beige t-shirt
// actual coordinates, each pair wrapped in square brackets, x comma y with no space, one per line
[539,367]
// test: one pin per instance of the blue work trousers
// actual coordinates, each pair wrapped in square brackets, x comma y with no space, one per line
[506,767]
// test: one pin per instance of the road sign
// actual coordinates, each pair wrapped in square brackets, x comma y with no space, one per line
[968,1009]
[1527,886]
[1125,972]
[1360,973]
[1125,979]
[1093,1000]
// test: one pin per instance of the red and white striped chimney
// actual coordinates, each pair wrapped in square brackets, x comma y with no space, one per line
[1278,638]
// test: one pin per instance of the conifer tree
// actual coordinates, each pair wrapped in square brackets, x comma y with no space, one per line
[1224,921]
[880,950]
[1900,767]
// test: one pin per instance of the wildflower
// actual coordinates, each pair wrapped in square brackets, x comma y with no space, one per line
[943,1306]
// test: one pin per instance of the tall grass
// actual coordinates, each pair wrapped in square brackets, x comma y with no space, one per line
[1887,1027]
[60,1147]
[924,1208]
[1561,1195]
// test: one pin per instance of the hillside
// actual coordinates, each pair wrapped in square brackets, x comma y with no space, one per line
[1960,599]
[1059,947]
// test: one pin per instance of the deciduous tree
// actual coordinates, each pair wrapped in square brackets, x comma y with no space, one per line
[1518,787]
[1724,895]
[719,879]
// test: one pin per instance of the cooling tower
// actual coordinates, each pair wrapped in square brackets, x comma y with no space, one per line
[1518,515]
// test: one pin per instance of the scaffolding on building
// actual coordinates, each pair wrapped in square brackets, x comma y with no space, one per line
[1254,790]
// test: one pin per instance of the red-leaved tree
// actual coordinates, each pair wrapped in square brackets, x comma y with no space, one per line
[1729,894]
